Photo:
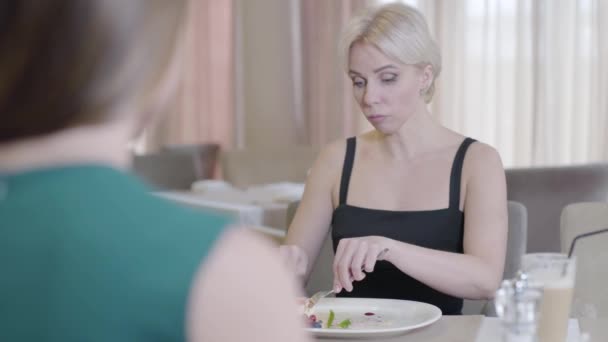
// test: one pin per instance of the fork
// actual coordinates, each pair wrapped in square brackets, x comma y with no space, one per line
[314,299]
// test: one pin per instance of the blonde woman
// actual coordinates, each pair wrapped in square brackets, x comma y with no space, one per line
[433,200]
[86,253]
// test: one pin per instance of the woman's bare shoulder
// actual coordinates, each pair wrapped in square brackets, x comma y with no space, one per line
[482,153]
[331,155]
[482,161]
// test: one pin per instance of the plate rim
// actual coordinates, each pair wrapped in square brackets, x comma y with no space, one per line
[343,332]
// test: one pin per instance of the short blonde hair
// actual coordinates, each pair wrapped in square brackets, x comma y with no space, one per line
[400,32]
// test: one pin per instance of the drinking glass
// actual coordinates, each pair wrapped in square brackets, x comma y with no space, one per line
[555,274]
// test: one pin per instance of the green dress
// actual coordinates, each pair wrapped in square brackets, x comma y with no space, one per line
[86,254]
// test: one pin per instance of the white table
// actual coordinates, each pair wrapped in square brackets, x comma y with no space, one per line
[474,329]
[265,214]
[447,329]
[597,328]
[270,219]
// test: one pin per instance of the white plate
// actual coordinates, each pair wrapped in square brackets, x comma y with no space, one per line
[391,317]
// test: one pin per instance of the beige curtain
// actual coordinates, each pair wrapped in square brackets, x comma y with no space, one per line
[486,89]
[203,109]
[529,77]
[328,105]
[573,82]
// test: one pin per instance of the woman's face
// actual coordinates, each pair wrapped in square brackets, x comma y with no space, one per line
[387,91]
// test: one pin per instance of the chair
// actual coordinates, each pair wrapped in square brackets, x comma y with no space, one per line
[165,171]
[545,191]
[204,156]
[516,248]
[591,252]
[321,276]
[246,167]
[517,238]
[176,167]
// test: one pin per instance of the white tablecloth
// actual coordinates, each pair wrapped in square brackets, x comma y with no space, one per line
[477,329]
[490,330]
[269,215]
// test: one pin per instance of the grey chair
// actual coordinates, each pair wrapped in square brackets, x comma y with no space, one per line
[176,167]
[591,284]
[517,239]
[205,157]
[516,248]
[321,276]
[545,191]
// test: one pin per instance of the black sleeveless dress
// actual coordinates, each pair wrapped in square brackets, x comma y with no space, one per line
[440,229]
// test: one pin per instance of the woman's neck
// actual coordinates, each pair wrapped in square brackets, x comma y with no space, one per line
[419,134]
[104,144]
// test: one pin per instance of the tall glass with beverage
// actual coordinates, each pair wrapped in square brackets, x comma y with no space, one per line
[555,274]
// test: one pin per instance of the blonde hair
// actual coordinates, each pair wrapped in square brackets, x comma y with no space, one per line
[400,32]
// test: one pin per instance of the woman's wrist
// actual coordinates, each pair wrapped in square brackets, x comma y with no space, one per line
[389,245]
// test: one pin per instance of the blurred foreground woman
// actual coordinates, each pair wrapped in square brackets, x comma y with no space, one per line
[86,254]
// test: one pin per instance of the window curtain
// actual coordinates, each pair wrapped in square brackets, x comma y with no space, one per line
[328,105]
[487,87]
[203,108]
[529,77]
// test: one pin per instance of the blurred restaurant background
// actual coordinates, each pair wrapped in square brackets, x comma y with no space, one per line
[529,77]
[262,89]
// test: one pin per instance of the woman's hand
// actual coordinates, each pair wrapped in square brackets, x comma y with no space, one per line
[355,255]
[295,258]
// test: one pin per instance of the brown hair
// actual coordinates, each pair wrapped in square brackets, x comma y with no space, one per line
[65,63]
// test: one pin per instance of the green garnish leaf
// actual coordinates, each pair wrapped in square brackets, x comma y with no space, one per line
[330,320]
[345,323]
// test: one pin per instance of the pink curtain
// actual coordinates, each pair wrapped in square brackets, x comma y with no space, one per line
[203,110]
[329,108]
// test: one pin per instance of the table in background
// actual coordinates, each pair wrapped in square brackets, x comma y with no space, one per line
[447,329]
[267,214]
[466,329]
[597,328]
[269,219]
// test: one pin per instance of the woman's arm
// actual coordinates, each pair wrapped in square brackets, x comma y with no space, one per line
[311,222]
[475,274]
[243,293]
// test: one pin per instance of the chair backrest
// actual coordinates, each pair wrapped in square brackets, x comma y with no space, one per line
[165,171]
[176,167]
[517,238]
[516,248]
[545,191]
[205,157]
[321,276]
[581,218]
[246,167]
[590,293]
